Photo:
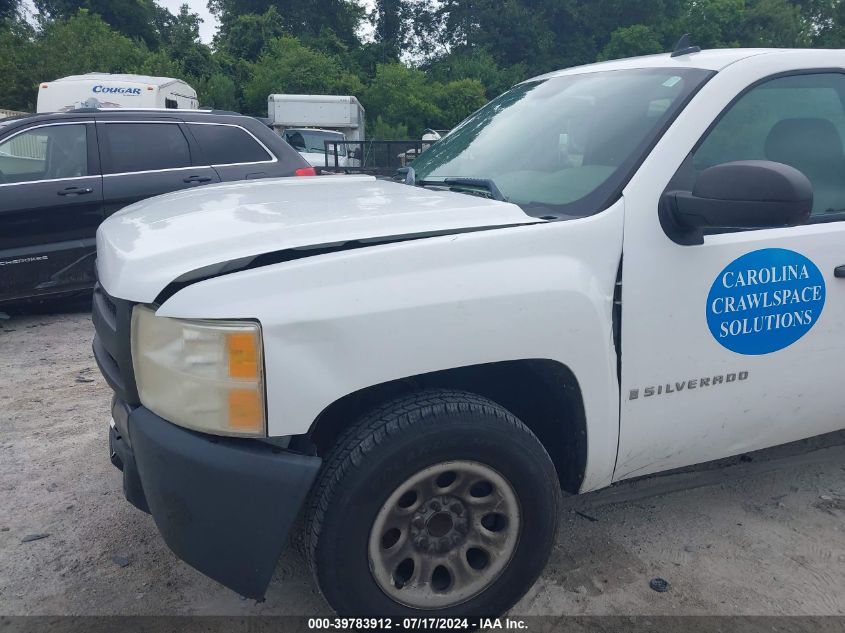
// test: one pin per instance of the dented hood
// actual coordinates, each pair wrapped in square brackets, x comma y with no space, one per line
[146,246]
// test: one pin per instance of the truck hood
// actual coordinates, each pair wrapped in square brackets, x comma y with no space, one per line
[208,230]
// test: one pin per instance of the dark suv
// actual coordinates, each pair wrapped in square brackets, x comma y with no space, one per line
[61,174]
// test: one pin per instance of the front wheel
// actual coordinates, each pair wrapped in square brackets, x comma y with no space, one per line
[440,503]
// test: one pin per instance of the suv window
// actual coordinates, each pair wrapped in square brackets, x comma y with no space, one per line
[797,120]
[43,153]
[145,147]
[228,144]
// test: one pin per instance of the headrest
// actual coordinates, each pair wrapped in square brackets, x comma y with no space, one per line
[804,142]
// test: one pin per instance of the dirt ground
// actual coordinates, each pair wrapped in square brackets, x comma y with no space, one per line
[764,535]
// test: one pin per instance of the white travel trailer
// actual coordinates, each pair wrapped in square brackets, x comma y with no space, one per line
[102,90]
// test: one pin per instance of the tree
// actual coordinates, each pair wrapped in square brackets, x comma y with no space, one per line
[287,66]
[8,8]
[180,40]
[20,84]
[479,65]
[402,95]
[512,31]
[405,98]
[775,23]
[388,18]
[630,41]
[218,91]
[299,18]
[247,35]
[457,100]
[81,44]
[134,18]
[429,64]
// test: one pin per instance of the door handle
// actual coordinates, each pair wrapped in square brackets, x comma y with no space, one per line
[839,271]
[75,191]
[190,179]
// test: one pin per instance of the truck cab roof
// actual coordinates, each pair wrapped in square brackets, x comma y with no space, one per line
[715,60]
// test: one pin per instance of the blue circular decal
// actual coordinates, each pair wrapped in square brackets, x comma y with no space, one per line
[764,301]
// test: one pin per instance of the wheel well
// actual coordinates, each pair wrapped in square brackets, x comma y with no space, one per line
[543,394]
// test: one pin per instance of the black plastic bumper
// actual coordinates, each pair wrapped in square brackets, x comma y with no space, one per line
[224,506]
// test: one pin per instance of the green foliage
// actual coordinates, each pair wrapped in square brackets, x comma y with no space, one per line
[776,23]
[20,85]
[301,18]
[381,130]
[630,41]
[8,8]
[136,18]
[286,66]
[427,63]
[477,64]
[218,91]
[403,96]
[81,44]
[457,100]
[248,34]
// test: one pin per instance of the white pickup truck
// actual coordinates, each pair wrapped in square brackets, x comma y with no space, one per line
[606,272]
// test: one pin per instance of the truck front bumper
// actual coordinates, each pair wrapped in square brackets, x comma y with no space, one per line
[223,505]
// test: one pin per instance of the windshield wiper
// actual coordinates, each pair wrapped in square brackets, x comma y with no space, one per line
[477,183]
[409,177]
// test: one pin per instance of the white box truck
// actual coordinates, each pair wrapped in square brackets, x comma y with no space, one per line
[103,90]
[307,121]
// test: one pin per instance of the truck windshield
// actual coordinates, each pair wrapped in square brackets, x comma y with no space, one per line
[311,140]
[564,146]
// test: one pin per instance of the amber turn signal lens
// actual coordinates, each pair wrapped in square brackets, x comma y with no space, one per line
[245,410]
[243,355]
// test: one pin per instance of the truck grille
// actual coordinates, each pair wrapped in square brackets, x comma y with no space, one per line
[112,347]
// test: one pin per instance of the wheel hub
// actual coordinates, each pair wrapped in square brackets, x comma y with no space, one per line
[439,525]
[444,535]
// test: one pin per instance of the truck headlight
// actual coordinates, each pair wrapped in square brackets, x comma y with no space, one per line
[203,375]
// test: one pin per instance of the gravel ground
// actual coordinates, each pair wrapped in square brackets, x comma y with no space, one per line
[764,535]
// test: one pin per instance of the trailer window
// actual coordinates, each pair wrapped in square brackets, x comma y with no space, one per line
[228,144]
[136,147]
[171,103]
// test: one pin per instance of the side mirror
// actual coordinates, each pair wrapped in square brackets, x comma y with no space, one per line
[745,194]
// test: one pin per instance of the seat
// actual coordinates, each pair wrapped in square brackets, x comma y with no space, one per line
[814,147]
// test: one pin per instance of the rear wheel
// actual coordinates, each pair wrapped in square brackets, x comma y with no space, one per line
[439,503]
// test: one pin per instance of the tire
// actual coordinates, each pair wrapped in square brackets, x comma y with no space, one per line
[448,480]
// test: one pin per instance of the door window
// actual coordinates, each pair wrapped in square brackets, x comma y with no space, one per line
[228,144]
[45,153]
[797,120]
[145,147]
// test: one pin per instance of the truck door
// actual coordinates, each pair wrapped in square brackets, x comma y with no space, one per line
[142,159]
[51,200]
[736,344]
